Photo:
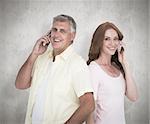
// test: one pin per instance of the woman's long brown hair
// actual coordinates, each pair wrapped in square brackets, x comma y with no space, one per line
[97,44]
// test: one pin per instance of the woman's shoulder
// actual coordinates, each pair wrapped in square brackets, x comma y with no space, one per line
[94,68]
[93,65]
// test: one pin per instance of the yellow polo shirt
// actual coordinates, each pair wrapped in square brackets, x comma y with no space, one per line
[68,80]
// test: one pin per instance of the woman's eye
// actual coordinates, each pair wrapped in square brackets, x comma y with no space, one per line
[107,38]
[116,39]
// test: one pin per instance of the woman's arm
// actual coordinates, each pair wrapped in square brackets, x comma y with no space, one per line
[131,88]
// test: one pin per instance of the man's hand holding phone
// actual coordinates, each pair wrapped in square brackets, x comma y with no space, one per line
[42,44]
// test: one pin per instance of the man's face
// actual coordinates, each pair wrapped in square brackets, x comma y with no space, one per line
[61,36]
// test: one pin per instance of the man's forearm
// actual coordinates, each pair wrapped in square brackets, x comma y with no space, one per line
[23,79]
[78,117]
[82,113]
[90,119]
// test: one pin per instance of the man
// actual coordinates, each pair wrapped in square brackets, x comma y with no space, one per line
[60,90]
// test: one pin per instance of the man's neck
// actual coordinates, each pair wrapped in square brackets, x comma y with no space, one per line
[58,51]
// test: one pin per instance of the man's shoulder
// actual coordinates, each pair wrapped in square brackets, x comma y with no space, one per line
[77,58]
[77,61]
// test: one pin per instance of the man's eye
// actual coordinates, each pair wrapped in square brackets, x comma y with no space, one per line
[54,29]
[63,31]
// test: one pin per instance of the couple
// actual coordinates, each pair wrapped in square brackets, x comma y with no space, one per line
[64,90]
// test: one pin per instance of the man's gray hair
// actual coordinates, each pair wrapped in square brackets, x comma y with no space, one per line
[66,18]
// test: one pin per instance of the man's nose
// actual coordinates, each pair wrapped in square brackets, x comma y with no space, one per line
[56,33]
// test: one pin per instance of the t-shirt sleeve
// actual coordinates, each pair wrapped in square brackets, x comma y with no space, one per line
[94,80]
[82,80]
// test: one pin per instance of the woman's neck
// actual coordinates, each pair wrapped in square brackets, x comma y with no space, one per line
[104,60]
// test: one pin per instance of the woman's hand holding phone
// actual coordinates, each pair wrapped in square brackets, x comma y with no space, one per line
[121,53]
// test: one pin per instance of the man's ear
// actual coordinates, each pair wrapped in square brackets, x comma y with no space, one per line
[73,34]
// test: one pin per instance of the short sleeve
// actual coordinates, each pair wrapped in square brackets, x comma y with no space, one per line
[82,80]
[94,80]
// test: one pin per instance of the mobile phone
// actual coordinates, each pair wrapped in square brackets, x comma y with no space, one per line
[122,49]
[49,35]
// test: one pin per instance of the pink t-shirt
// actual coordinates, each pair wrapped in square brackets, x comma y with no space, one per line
[109,96]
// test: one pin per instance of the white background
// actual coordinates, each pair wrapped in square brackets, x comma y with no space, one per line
[23,22]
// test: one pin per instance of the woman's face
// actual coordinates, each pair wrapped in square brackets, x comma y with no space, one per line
[111,42]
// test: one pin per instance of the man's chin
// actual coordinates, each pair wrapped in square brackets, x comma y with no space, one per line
[56,46]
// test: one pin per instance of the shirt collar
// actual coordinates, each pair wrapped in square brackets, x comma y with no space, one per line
[65,54]
[50,54]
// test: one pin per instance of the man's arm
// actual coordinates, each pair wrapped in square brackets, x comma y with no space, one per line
[87,106]
[23,80]
[90,119]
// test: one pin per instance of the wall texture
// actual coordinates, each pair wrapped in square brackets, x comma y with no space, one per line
[149,58]
[23,22]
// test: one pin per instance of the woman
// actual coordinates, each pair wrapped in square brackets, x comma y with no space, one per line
[111,77]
